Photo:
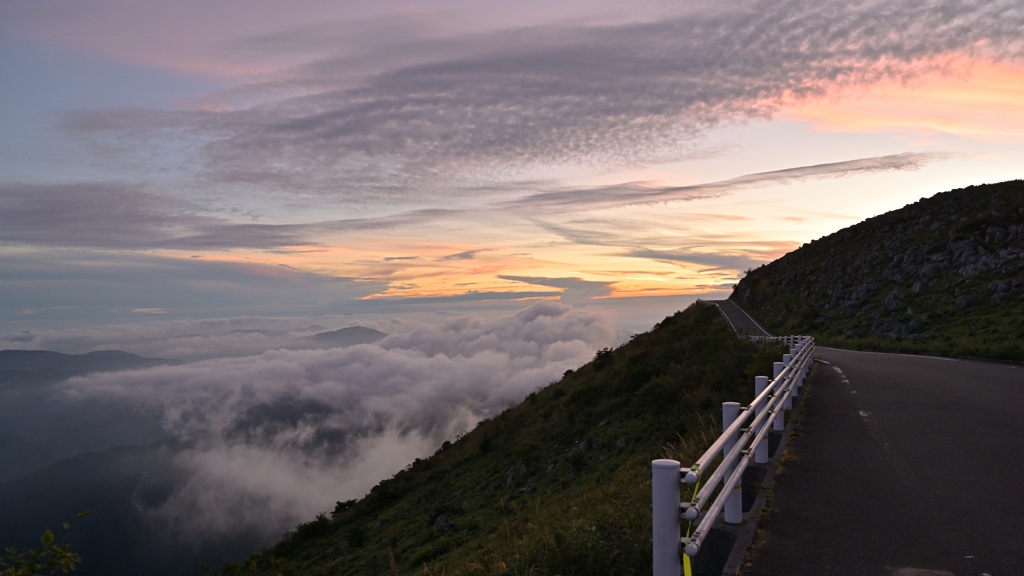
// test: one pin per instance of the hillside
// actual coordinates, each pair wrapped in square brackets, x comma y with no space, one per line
[556,485]
[944,275]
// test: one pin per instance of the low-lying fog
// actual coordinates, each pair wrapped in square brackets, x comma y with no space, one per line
[268,440]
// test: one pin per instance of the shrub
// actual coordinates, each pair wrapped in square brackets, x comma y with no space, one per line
[49,558]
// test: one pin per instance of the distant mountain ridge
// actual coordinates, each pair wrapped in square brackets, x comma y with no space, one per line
[944,275]
[349,336]
[33,434]
[21,367]
[99,360]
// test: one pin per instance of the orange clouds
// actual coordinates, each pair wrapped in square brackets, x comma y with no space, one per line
[986,102]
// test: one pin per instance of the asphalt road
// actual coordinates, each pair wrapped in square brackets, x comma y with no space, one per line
[903,465]
[742,322]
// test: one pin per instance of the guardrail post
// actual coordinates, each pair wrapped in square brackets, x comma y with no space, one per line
[761,454]
[807,368]
[787,359]
[665,513]
[800,377]
[793,352]
[780,421]
[734,504]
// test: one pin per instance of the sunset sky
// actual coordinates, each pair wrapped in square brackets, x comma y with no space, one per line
[162,161]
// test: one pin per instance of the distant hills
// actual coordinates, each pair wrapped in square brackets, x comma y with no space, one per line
[36,432]
[29,367]
[944,275]
[92,362]
[348,336]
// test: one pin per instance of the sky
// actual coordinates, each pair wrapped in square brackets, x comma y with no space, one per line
[503,188]
[229,159]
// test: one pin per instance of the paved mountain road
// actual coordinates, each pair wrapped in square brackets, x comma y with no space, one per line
[905,465]
[741,322]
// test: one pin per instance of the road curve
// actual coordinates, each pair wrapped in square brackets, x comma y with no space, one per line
[903,465]
[742,322]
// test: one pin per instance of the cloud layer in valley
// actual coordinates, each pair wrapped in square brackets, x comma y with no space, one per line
[279,437]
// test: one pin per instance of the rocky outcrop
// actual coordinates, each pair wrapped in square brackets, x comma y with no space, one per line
[944,268]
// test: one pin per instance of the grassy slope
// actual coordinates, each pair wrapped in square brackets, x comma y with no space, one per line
[933,277]
[559,484]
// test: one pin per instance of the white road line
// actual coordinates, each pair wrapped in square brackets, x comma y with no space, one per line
[756,323]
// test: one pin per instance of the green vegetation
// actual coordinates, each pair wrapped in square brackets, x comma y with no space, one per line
[49,558]
[559,484]
[944,276]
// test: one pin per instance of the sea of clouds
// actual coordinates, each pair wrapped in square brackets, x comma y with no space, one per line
[269,440]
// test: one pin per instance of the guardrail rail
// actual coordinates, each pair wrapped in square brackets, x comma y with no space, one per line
[745,430]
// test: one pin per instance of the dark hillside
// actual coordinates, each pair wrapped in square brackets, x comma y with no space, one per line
[559,484]
[944,275]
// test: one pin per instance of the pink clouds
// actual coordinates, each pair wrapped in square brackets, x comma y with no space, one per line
[981,101]
[241,39]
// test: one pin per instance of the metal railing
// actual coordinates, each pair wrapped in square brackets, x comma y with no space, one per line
[739,443]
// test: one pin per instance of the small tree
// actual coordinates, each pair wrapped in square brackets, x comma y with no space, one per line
[50,558]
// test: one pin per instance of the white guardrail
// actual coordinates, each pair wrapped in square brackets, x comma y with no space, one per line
[739,443]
